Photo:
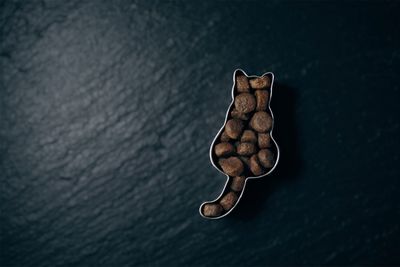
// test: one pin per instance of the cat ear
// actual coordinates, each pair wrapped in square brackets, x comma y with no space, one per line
[269,74]
[239,72]
[241,81]
[270,78]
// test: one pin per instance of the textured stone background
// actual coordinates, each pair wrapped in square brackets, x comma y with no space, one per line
[108,108]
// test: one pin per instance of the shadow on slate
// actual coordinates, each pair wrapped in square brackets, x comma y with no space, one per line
[257,191]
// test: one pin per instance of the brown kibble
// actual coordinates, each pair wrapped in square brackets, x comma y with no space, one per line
[224,149]
[238,183]
[233,128]
[231,166]
[242,84]
[212,210]
[239,115]
[245,103]
[224,137]
[255,167]
[229,200]
[262,99]
[248,136]
[266,158]
[246,149]
[264,140]
[260,82]
[261,122]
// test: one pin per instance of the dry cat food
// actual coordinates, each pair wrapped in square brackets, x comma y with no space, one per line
[244,147]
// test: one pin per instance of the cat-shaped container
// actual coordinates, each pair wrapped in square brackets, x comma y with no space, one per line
[244,147]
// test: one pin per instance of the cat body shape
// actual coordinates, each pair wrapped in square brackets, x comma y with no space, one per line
[244,147]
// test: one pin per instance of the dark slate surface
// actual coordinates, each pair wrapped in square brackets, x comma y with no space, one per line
[108,108]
